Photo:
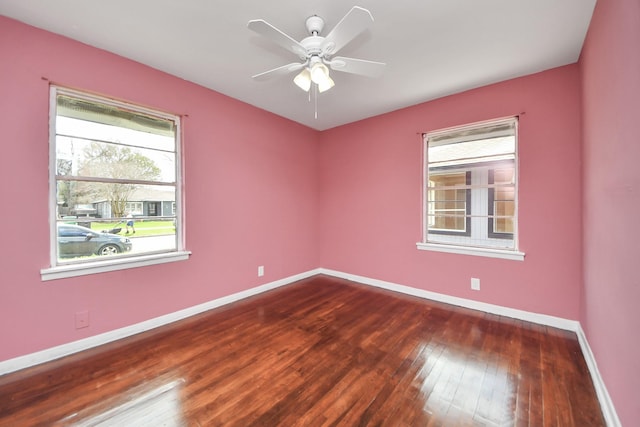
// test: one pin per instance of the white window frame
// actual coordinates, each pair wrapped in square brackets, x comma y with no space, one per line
[58,270]
[457,244]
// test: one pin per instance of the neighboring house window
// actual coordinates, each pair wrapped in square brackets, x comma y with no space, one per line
[502,202]
[450,203]
[471,188]
[104,154]
[134,208]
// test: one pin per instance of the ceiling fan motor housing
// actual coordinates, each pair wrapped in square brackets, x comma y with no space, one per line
[312,46]
[313,43]
[315,24]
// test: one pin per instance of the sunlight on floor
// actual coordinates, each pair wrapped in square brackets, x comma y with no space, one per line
[160,406]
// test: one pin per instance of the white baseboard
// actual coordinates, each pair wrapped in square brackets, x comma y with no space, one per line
[63,350]
[53,353]
[608,410]
[543,319]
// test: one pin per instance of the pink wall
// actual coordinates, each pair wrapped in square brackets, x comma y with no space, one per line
[370,197]
[610,66]
[261,190]
[251,188]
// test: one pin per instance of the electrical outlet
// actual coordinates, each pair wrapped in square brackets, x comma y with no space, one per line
[82,319]
[260,270]
[475,284]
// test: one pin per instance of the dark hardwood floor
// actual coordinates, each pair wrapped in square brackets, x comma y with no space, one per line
[320,352]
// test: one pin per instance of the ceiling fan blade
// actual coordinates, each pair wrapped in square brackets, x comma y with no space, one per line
[353,23]
[285,69]
[267,30]
[357,66]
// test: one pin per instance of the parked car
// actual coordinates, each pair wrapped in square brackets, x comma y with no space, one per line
[76,241]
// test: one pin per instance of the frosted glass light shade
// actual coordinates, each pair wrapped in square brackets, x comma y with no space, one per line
[303,80]
[327,84]
[319,73]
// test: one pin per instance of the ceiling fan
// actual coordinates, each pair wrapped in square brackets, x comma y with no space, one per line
[316,52]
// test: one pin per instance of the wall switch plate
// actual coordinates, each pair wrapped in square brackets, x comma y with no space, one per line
[260,270]
[475,284]
[82,319]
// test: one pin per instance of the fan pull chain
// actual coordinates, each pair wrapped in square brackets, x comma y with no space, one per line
[315,96]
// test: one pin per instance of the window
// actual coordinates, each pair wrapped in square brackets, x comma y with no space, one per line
[502,202]
[470,192]
[134,208]
[449,209]
[106,159]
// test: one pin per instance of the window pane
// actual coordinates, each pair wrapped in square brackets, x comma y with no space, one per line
[107,210]
[449,179]
[113,199]
[503,209]
[503,225]
[78,156]
[471,191]
[472,152]
[115,180]
[503,176]
[77,241]
[110,122]
[447,208]
[504,200]
[448,220]
[452,205]
[470,146]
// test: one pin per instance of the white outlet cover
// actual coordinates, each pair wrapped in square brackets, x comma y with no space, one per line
[475,284]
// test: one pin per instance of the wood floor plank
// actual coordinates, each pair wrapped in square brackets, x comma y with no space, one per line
[320,352]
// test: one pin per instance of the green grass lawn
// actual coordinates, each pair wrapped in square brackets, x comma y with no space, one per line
[143,228]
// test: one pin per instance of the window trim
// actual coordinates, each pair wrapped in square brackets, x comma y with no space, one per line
[57,270]
[74,270]
[472,250]
[504,253]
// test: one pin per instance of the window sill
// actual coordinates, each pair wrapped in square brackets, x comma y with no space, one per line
[468,250]
[64,271]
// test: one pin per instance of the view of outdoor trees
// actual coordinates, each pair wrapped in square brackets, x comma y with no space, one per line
[108,161]
[114,161]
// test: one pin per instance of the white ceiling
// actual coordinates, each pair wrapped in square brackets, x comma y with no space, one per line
[432,48]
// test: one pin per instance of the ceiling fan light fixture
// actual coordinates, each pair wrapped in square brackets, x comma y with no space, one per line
[303,79]
[327,84]
[319,73]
